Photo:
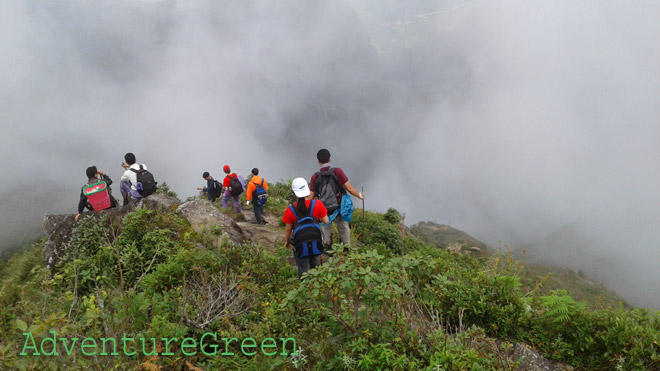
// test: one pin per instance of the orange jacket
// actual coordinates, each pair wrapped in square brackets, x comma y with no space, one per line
[252,185]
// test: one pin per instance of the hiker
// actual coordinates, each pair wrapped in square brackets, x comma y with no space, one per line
[213,188]
[232,189]
[132,187]
[94,176]
[330,185]
[256,189]
[302,226]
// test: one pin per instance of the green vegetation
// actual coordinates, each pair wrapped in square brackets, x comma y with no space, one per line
[279,196]
[442,236]
[164,189]
[389,302]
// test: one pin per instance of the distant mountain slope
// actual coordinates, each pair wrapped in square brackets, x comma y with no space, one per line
[442,236]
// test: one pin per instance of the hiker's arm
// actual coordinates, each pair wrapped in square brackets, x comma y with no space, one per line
[81,205]
[287,234]
[82,202]
[324,220]
[349,188]
[105,178]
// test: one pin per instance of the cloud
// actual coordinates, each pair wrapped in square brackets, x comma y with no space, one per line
[508,119]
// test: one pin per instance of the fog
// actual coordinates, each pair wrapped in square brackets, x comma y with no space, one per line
[510,120]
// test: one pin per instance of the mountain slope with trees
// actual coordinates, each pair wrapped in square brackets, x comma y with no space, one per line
[391,301]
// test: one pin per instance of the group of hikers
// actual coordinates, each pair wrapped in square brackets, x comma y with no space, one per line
[136,183]
[231,188]
[325,200]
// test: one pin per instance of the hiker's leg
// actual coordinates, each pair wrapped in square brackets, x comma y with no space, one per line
[237,204]
[225,199]
[301,263]
[124,187]
[326,230]
[128,191]
[344,230]
[113,201]
[258,210]
[313,261]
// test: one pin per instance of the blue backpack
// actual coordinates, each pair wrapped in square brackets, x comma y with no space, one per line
[259,195]
[307,236]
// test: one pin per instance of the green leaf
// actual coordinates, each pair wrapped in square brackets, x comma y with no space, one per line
[21,325]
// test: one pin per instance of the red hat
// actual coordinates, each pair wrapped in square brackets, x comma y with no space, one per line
[226,168]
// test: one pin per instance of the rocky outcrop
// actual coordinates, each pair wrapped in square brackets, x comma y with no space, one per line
[59,227]
[158,201]
[202,216]
[531,360]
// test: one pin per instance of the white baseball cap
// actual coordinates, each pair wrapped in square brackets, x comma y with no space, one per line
[300,188]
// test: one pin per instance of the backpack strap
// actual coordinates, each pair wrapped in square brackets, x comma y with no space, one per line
[331,173]
[262,182]
[136,171]
[311,207]
[293,211]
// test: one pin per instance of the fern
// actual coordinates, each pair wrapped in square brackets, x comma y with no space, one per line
[560,307]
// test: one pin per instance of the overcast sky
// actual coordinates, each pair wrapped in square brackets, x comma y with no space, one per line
[506,119]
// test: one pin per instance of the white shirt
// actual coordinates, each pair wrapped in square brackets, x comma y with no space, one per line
[131,176]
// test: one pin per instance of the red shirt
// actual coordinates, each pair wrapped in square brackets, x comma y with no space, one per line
[319,212]
[338,172]
[227,181]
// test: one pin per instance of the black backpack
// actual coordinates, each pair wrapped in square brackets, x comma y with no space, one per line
[307,236]
[217,189]
[260,196]
[328,189]
[146,183]
[235,186]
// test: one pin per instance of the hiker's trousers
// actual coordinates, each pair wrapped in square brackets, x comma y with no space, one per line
[237,202]
[343,229]
[305,264]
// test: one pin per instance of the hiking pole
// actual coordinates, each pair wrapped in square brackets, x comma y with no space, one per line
[362,202]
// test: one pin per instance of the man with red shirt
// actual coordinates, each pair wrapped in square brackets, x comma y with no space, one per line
[227,195]
[332,174]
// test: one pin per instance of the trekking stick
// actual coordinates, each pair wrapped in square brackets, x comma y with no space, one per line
[362,202]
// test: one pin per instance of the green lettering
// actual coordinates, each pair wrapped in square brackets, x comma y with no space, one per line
[73,343]
[263,345]
[212,346]
[53,340]
[227,342]
[123,339]
[184,346]
[153,348]
[83,346]
[253,345]
[114,347]
[33,346]
[167,346]
[284,353]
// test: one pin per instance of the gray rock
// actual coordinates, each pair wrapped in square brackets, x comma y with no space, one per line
[202,215]
[159,201]
[530,360]
[60,227]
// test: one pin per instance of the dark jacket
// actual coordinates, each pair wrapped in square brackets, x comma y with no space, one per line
[210,189]
[82,203]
